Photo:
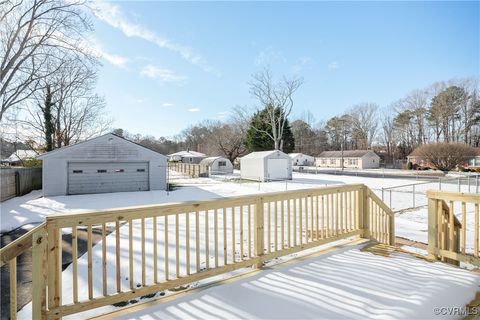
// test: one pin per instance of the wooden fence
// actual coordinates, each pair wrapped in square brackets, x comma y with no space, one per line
[189,169]
[447,236]
[19,181]
[160,247]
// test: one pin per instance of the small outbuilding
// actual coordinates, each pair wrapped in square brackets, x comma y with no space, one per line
[360,159]
[266,166]
[215,165]
[108,163]
[19,156]
[187,156]
[300,159]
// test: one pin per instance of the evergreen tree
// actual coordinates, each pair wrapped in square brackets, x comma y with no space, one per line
[260,130]
[48,123]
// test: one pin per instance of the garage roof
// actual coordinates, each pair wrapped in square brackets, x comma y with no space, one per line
[261,154]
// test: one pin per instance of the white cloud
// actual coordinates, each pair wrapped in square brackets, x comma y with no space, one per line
[333,66]
[164,75]
[114,59]
[193,110]
[112,14]
[267,56]
[301,63]
[166,104]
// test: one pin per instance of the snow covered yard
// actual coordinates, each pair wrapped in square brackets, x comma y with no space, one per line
[345,284]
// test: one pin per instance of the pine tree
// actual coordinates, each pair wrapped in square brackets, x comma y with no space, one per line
[48,123]
[258,134]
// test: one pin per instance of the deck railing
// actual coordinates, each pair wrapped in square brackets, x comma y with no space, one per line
[189,169]
[160,247]
[449,238]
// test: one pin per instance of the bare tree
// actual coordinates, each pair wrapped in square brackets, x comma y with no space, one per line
[445,156]
[36,35]
[364,123]
[277,99]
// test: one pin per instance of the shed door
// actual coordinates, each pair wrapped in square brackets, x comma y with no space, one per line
[102,177]
[277,169]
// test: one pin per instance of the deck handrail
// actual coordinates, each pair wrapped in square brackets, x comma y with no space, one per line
[197,244]
[447,235]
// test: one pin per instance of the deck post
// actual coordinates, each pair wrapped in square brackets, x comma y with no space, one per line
[54,275]
[258,231]
[39,274]
[432,228]
[364,212]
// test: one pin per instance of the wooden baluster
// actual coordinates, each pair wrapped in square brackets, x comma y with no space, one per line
[75,262]
[166,246]
[451,231]
[295,222]
[275,235]
[12,269]
[464,227]
[197,240]
[233,235]
[342,214]
[177,246]
[207,244]
[104,261]
[475,244]
[130,253]
[300,214]
[90,262]
[187,243]
[337,214]
[269,229]
[155,244]
[143,252]
[282,224]
[288,224]
[311,217]
[117,249]
[241,232]
[215,235]
[225,255]
[322,221]
[249,231]
[317,216]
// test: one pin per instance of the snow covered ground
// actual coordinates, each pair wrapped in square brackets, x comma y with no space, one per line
[344,284]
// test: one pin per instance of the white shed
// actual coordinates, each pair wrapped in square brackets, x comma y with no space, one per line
[266,166]
[215,165]
[300,159]
[108,163]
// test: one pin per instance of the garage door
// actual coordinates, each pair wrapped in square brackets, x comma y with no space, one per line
[101,177]
[277,169]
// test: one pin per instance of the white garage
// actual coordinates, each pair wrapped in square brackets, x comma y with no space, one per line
[108,163]
[266,166]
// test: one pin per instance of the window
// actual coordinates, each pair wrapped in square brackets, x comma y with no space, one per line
[101,171]
[119,170]
[332,161]
[77,171]
[191,159]
[140,170]
[222,163]
[324,161]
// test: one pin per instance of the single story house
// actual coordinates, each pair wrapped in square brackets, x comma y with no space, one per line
[416,159]
[215,165]
[359,159]
[108,163]
[187,156]
[300,159]
[266,166]
[17,158]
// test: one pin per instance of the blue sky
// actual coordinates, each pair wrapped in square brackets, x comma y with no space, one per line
[167,65]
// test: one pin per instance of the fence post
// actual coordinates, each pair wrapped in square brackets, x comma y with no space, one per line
[432,228]
[364,212]
[459,189]
[414,196]
[439,183]
[39,274]
[258,231]
[476,184]
[468,179]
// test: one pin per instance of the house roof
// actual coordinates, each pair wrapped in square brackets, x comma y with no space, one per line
[62,149]
[346,153]
[20,155]
[416,153]
[188,153]
[260,154]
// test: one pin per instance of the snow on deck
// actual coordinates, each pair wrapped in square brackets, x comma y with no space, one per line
[348,283]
